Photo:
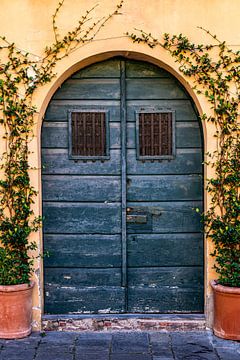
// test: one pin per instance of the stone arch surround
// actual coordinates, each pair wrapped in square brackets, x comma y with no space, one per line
[67,70]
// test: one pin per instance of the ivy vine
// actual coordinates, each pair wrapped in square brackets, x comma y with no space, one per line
[20,77]
[215,72]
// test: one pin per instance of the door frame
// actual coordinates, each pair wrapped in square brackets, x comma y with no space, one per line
[44,101]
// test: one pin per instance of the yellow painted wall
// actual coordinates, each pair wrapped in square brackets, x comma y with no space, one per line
[29,24]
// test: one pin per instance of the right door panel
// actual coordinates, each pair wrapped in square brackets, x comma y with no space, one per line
[165,242]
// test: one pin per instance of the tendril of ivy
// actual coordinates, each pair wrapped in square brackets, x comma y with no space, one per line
[215,72]
[20,77]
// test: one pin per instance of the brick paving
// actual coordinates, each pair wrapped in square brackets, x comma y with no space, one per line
[201,345]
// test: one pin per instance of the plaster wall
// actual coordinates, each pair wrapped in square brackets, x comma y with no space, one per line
[29,24]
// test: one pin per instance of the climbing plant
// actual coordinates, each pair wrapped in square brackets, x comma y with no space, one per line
[215,72]
[21,75]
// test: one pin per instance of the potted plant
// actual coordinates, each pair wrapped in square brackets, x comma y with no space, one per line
[15,302]
[21,75]
[224,230]
[215,71]
[17,220]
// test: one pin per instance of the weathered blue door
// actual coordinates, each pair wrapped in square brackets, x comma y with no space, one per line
[122,177]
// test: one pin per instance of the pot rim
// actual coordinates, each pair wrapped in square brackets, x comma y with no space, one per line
[223,288]
[19,287]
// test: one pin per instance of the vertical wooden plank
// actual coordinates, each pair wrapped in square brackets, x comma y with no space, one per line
[123,175]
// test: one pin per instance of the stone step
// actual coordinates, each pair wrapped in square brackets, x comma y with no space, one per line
[124,322]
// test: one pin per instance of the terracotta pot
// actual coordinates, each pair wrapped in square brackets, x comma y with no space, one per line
[15,310]
[226,311]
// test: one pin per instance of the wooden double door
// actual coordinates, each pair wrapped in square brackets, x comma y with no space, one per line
[122,178]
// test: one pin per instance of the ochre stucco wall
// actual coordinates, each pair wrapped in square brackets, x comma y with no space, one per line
[28,24]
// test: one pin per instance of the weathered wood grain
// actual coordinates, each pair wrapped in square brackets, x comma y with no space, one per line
[165,300]
[184,110]
[81,188]
[77,300]
[109,68]
[165,249]
[139,69]
[80,250]
[164,187]
[188,135]
[171,217]
[186,277]
[56,161]
[83,277]
[82,200]
[89,89]
[81,218]
[55,135]
[58,109]
[187,161]
[154,89]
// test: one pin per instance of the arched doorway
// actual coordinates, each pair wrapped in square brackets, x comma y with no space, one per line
[122,177]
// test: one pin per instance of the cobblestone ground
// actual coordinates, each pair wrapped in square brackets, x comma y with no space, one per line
[120,346]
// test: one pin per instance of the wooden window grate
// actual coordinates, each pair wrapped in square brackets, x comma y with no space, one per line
[88,135]
[155,135]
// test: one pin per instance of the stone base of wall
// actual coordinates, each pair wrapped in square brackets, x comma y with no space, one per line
[124,323]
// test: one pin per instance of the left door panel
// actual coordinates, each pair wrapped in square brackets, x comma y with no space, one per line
[82,200]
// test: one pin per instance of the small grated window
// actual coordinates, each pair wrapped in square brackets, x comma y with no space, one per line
[88,135]
[155,135]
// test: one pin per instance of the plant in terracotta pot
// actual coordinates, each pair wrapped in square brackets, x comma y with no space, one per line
[17,220]
[16,265]
[223,221]
[217,74]
[21,74]
[215,71]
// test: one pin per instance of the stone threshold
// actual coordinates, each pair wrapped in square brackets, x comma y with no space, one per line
[124,322]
